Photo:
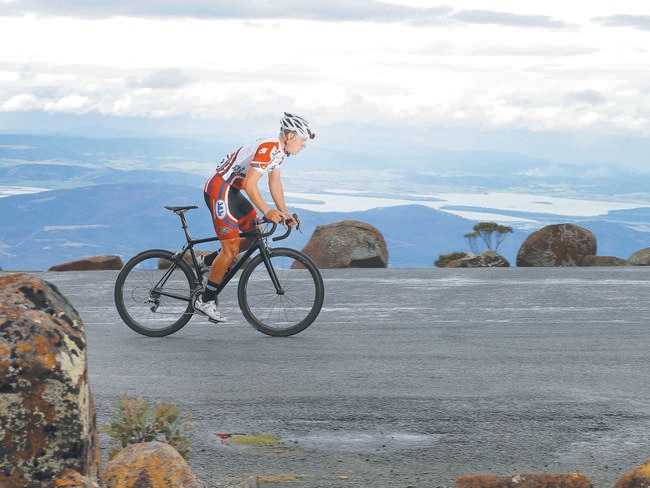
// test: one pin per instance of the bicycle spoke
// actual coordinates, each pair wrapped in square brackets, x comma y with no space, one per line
[152,298]
[297,304]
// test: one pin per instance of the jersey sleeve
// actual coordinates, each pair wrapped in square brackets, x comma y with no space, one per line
[263,156]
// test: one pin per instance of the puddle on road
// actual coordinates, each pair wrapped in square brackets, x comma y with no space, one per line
[337,441]
[364,441]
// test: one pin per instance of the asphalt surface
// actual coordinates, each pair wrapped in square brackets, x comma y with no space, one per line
[407,378]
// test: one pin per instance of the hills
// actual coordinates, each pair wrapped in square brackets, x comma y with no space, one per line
[106,196]
[47,228]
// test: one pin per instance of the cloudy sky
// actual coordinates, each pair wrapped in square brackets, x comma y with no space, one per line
[580,70]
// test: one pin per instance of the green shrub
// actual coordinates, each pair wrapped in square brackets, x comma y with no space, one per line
[444,259]
[134,421]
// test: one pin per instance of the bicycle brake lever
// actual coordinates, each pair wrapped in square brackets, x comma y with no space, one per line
[297,221]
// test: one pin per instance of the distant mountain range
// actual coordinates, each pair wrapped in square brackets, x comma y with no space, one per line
[43,229]
[107,195]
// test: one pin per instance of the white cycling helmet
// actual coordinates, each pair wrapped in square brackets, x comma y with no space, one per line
[295,123]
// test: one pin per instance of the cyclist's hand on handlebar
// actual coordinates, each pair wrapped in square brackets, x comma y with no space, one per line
[274,215]
[289,219]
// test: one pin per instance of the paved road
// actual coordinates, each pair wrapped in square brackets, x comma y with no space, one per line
[408,377]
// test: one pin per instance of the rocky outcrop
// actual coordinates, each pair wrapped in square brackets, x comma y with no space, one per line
[557,245]
[640,258]
[48,431]
[487,259]
[603,261]
[94,263]
[47,411]
[149,465]
[639,477]
[347,244]
[534,480]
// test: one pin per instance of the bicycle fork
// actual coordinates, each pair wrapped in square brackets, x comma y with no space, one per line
[271,270]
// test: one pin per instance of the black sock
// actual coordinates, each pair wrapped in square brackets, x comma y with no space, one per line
[210,292]
[209,259]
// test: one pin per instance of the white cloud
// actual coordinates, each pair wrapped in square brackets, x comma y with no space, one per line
[21,102]
[70,103]
[480,63]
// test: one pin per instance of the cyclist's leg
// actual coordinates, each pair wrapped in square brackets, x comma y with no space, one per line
[215,182]
[229,251]
[226,228]
[246,225]
[230,211]
[227,206]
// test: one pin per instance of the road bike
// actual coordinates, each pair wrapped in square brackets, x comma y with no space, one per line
[280,290]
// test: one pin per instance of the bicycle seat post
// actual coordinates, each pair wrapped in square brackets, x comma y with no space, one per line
[184,226]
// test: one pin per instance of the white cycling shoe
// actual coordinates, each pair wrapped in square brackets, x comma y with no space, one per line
[209,308]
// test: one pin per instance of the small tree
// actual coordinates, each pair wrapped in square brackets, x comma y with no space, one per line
[490,234]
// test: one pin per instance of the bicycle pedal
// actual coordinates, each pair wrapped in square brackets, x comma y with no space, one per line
[216,321]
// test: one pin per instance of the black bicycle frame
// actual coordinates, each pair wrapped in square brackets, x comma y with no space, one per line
[259,245]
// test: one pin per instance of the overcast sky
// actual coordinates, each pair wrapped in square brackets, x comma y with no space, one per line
[569,67]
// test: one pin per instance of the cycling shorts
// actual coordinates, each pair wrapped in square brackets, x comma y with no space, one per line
[230,209]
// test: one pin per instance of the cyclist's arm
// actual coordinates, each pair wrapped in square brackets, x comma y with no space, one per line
[251,188]
[277,192]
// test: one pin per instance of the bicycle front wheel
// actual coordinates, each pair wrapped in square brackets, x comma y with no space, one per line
[153,293]
[291,308]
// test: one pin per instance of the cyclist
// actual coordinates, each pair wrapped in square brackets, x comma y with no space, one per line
[232,211]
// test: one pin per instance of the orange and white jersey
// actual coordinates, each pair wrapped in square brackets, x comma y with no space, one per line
[263,155]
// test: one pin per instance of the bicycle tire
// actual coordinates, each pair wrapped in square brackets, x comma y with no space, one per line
[151,312]
[286,314]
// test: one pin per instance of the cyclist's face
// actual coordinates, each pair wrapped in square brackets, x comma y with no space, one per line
[294,143]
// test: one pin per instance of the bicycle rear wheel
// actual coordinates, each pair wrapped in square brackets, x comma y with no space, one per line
[153,293]
[289,311]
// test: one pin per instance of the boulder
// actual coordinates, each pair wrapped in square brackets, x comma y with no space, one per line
[603,261]
[93,263]
[150,465]
[47,411]
[454,263]
[534,480]
[347,244]
[487,259]
[557,245]
[639,477]
[640,258]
